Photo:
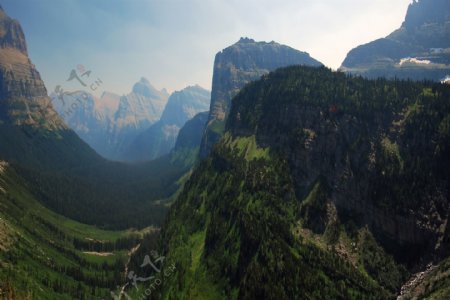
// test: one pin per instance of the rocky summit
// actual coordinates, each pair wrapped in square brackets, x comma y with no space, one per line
[237,65]
[23,96]
[419,49]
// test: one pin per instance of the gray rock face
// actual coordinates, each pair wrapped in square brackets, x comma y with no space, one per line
[24,99]
[12,35]
[238,65]
[160,138]
[419,49]
[31,131]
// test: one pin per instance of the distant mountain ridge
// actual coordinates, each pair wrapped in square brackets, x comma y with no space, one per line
[237,65]
[110,123]
[90,117]
[137,111]
[419,49]
[160,138]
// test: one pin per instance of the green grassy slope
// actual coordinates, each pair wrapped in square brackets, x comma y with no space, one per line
[46,256]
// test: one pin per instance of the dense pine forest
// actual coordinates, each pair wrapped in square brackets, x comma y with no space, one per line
[277,201]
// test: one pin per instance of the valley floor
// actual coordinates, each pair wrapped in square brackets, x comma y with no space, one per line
[46,256]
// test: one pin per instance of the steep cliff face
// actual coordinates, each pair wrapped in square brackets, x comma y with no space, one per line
[12,35]
[30,128]
[160,138]
[418,49]
[316,164]
[24,99]
[238,65]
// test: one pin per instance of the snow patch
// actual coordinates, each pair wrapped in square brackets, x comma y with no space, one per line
[414,60]
[446,80]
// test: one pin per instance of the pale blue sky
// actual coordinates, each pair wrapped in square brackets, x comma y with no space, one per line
[173,42]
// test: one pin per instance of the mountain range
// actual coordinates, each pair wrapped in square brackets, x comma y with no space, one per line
[299,183]
[110,123]
[419,49]
[161,137]
[140,126]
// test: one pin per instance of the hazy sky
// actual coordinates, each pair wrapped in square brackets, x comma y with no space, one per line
[173,42]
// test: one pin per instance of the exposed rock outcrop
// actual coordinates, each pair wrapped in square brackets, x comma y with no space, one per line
[419,49]
[23,96]
[237,65]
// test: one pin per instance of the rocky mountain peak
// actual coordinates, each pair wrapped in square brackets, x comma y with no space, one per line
[237,65]
[244,40]
[425,12]
[418,50]
[145,88]
[24,99]
[11,34]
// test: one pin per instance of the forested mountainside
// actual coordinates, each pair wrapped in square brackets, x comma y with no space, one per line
[321,180]
[46,256]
